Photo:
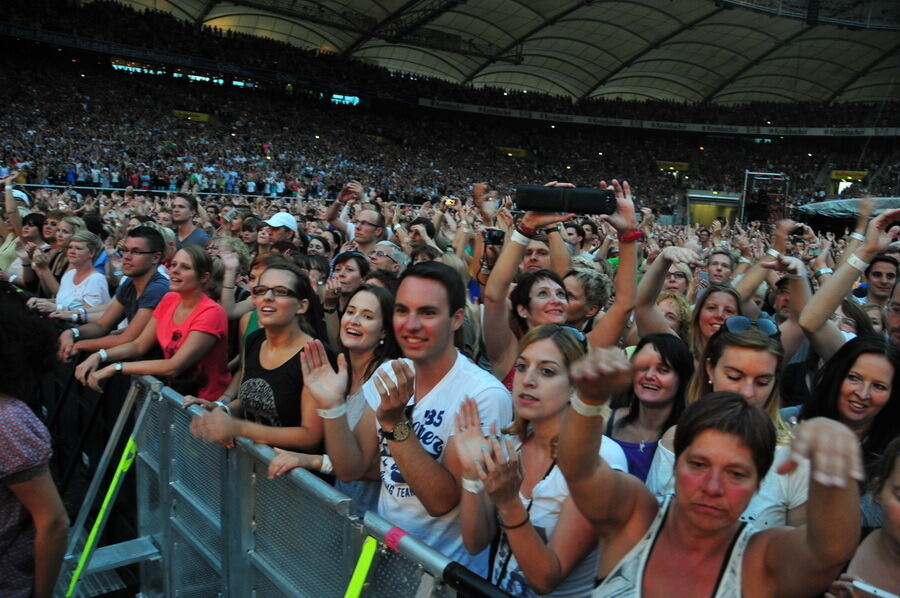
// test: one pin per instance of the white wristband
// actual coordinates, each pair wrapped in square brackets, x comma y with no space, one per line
[773,253]
[857,263]
[519,238]
[582,408]
[823,271]
[334,412]
[858,237]
[326,466]
[743,260]
[13,278]
[473,486]
[103,355]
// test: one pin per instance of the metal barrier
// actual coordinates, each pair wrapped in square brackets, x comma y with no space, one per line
[211,523]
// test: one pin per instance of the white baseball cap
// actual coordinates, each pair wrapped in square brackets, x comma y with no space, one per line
[282,219]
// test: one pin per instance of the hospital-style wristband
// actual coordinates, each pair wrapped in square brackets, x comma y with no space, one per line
[473,486]
[582,408]
[334,412]
[858,237]
[857,263]
[519,238]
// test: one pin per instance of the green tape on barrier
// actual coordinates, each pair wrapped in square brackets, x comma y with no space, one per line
[125,462]
[361,572]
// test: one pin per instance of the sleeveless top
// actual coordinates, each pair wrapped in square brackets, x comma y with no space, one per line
[626,578]
[638,454]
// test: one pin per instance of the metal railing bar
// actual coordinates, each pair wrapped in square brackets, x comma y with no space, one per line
[191,539]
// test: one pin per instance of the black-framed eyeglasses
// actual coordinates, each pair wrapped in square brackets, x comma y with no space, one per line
[739,324]
[379,253]
[259,291]
[127,251]
[366,223]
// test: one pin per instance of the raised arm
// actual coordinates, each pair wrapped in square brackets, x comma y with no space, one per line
[352,190]
[815,317]
[803,561]
[352,452]
[609,499]
[647,315]
[607,331]
[560,260]
[12,211]
[501,342]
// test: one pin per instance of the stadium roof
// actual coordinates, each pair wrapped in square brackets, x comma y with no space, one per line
[723,51]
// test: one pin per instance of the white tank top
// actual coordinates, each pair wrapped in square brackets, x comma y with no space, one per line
[626,578]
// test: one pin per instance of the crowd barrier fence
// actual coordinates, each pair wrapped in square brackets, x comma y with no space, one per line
[211,523]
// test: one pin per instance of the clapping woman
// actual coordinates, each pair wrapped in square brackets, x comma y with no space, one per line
[515,488]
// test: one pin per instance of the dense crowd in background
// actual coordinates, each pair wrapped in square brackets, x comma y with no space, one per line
[566,404]
[159,30]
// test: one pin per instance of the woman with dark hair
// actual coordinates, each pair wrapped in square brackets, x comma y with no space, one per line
[188,326]
[266,402]
[34,524]
[694,543]
[545,545]
[347,272]
[540,296]
[320,246]
[859,386]
[744,357]
[662,369]
[367,341]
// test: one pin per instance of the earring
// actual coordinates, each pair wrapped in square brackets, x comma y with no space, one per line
[381,342]
[710,381]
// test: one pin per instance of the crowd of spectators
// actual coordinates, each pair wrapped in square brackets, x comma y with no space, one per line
[159,30]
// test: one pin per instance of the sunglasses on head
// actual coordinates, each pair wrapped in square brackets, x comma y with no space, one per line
[579,335]
[739,324]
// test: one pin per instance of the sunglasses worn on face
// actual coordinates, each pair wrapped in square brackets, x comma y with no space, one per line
[739,324]
[259,291]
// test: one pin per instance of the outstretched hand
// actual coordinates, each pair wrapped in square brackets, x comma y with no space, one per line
[326,386]
[601,373]
[622,219]
[832,450]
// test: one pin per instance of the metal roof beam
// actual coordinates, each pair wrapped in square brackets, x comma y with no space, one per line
[518,41]
[647,50]
[729,80]
[205,12]
[861,73]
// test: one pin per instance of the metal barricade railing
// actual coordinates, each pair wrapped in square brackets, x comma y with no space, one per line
[211,523]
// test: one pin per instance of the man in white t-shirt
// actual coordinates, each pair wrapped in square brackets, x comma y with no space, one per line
[412,403]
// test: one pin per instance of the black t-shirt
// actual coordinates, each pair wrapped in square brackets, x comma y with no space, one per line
[270,397]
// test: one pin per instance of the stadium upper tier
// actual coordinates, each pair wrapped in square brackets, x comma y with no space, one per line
[74,112]
[685,61]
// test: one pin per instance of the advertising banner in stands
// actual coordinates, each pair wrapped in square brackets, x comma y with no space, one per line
[665,126]
[849,174]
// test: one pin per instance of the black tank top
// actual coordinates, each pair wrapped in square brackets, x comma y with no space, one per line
[270,397]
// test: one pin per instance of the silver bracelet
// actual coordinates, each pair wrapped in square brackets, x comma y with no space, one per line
[13,278]
[857,263]
[582,408]
[858,237]
[75,333]
[327,466]
[103,355]
[334,412]
[473,486]
[823,271]
[517,237]
[224,406]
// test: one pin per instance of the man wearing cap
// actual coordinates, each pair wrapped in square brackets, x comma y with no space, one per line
[183,211]
[388,257]
[283,226]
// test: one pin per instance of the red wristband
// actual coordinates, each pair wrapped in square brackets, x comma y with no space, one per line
[528,232]
[631,237]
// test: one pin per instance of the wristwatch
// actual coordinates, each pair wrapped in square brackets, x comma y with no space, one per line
[399,433]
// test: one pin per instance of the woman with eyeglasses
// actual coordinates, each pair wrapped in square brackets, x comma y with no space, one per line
[189,327]
[367,341]
[513,488]
[540,296]
[266,401]
[745,357]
